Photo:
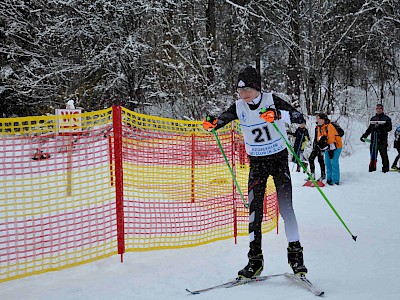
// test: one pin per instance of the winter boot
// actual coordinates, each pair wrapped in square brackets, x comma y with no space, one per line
[295,258]
[306,165]
[307,178]
[372,167]
[253,268]
[323,177]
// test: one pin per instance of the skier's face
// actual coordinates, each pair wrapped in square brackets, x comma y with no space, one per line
[379,110]
[248,94]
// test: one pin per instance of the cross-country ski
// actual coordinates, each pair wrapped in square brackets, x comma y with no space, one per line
[298,279]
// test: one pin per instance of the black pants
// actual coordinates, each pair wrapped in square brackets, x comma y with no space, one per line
[260,168]
[317,153]
[397,158]
[382,149]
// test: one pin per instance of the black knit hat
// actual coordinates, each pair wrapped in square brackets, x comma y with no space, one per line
[323,116]
[249,77]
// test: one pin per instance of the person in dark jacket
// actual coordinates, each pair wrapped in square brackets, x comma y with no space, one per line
[380,126]
[317,153]
[397,147]
[258,113]
[301,138]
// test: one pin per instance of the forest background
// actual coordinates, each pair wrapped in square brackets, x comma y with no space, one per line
[180,59]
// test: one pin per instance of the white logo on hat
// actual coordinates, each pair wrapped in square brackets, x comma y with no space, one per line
[241,83]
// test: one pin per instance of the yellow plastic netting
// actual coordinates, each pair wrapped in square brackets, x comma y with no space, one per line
[58,188]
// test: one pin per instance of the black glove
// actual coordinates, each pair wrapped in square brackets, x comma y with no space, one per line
[330,153]
[362,139]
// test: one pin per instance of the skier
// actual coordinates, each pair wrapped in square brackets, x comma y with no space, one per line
[301,137]
[268,156]
[329,141]
[396,146]
[380,126]
[316,152]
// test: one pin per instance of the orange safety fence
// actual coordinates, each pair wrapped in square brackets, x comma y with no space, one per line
[79,187]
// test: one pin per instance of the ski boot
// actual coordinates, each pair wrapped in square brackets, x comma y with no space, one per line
[253,268]
[295,258]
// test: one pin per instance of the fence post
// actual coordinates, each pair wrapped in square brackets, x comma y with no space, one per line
[119,188]
[233,148]
[277,213]
[110,150]
[192,186]
[69,165]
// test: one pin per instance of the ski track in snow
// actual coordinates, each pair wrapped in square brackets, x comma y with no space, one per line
[369,204]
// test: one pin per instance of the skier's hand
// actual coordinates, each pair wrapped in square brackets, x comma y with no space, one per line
[209,123]
[269,114]
[362,139]
[331,153]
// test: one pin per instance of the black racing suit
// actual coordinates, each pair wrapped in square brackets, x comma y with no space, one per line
[260,168]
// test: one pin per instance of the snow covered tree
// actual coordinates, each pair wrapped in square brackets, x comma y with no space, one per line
[181,58]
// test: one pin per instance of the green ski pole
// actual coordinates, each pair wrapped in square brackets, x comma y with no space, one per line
[313,181]
[229,167]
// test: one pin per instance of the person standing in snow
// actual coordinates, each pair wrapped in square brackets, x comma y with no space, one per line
[380,126]
[268,156]
[301,138]
[329,141]
[397,147]
[317,153]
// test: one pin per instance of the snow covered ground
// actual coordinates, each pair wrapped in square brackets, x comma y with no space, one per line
[369,204]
